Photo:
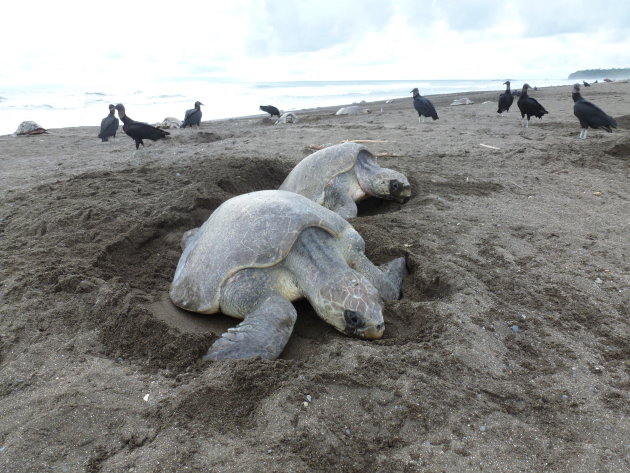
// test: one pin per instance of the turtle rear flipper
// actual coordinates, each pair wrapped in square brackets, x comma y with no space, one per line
[264,333]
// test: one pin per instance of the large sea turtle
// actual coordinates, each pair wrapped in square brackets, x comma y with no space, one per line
[287,117]
[168,123]
[259,251]
[340,175]
[29,128]
[352,110]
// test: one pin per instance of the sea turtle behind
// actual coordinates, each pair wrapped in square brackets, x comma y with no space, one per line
[259,251]
[287,117]
[340,175]
[352,110]
[29,128]
[168,123]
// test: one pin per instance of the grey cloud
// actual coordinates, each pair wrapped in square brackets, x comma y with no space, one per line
[306,26]
[311,25]
[538,17]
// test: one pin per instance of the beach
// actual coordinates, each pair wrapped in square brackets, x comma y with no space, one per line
[507,352]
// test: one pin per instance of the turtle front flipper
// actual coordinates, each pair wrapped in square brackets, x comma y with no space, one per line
[264,333]
[268,318]
[387,279]
[340,195]
[395,270]
[189,237]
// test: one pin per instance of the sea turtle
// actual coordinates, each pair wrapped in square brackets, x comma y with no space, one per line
[462,101]
[352,110]
[168,123]
[340,175]
[287,117]
[29,128]
[261,250]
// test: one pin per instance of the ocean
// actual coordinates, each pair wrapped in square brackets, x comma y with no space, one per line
[58,106]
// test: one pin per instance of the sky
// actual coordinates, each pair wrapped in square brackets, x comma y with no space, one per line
[82,42]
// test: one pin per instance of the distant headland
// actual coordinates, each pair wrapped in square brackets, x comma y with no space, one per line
[600,73]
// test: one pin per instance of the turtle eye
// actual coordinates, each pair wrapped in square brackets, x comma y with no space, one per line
[394,186]
[352,318]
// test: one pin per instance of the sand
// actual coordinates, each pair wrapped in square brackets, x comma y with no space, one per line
[508,351]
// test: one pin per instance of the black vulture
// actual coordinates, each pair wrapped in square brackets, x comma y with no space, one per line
[529,106]
[586,84]
[590,114]
[505,99]
[271,110]
[139,131]
[423,106]
[109,125]
[193,116]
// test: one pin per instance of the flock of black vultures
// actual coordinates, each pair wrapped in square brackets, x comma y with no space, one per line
[589,114]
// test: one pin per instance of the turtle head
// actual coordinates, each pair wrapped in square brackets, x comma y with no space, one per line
[380,182]
[351,304]
[387,184]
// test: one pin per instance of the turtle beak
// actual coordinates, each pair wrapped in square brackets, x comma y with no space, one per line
[356,326]
[400,191]
[371,333]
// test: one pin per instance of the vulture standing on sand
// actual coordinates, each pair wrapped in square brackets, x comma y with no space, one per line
[586,84]
[505,99]
[590,114]
[529,106]
[139,131]
[193,116]
[423,106]
[109,125]
[271,110]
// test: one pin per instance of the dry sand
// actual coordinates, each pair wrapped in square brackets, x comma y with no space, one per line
[508,351]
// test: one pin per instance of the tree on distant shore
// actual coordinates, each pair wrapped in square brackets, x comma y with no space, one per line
[601,73]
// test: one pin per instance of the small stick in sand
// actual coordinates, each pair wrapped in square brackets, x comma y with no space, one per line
[488,146]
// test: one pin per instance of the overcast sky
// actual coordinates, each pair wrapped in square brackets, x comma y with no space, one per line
[83,42]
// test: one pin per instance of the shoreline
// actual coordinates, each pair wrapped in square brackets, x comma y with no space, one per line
[491,95]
